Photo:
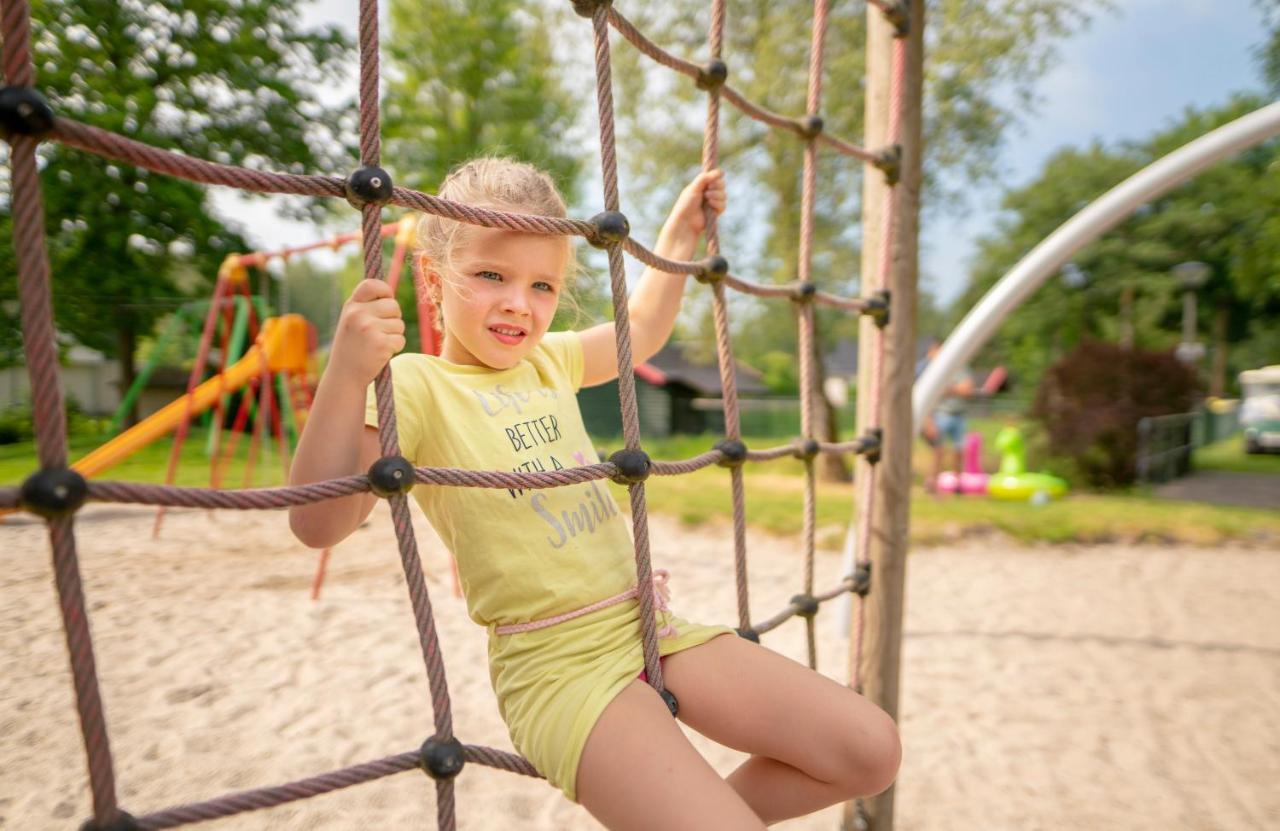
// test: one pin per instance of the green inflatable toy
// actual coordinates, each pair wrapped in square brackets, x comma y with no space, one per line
[1013,482]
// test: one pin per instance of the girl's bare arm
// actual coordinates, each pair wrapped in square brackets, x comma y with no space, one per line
[335,441]
[656,300]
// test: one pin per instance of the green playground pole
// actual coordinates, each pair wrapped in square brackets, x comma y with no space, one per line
[235,349]
[176,323]
[286,409]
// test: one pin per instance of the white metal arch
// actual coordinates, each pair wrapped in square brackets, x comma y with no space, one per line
[1093,221]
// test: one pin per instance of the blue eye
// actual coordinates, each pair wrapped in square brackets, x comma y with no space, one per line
[541,286]
[489,275]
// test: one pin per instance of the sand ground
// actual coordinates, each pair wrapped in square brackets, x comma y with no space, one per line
[1043,688]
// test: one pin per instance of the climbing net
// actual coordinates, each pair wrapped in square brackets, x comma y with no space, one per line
[55,492]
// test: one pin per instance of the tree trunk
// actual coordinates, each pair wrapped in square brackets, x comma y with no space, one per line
[1126,317]
[128,344]
[1218,371]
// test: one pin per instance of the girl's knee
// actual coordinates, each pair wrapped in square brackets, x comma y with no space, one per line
[872,755]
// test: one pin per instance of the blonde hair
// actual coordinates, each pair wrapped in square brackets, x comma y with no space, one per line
[496,182]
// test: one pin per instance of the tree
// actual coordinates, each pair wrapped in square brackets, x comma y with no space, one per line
[975,52]
[465,79]
[228,80]
[1225,217]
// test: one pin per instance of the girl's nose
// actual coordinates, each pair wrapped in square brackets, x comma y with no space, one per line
[515,302]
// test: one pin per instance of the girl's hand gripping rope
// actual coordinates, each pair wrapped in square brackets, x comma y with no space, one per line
[688,218]
[370,330]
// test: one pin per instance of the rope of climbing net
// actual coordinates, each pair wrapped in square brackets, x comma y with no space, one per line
[55,492]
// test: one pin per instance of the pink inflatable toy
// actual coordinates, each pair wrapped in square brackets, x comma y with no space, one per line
[971,480]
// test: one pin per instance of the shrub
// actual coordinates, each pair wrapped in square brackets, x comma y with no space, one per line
[17,423]
[1090,403]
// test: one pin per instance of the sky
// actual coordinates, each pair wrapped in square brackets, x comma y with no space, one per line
[1130,74]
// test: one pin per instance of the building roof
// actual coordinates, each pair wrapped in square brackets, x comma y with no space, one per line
[674,364]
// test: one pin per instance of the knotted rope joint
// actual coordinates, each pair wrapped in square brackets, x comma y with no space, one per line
[810,125]
[803,292]
[670,700]
[442,759]
[53,492]
[122,822]
[805,605]
[587,8]
[369,185]
[807,449]
[898,13]
[888,161]
[860,580]
[712,269]
[23,111]
[391,476]
[734,450]
[875,435]
[877,308]
[633,466]
[712,75]
[609,228]
[748,634]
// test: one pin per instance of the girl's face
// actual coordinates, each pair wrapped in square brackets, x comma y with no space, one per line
[500,296]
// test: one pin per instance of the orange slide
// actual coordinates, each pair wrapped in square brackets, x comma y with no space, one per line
[282,341]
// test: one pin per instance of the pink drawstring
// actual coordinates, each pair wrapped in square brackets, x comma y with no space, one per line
[661,593]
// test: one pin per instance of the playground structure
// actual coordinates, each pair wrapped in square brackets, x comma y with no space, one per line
[276,366]
[55,492]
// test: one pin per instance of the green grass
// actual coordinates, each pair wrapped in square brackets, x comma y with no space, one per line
[1229,455]
[775,500]
[17,461]
[775,497]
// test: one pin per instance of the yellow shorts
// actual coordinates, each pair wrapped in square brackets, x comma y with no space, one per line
[552,684]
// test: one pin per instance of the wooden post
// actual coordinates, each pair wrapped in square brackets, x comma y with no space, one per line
[889,520]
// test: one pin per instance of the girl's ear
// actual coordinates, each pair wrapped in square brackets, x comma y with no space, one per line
[426,277]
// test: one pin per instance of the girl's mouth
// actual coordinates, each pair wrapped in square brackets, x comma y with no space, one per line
[510,335]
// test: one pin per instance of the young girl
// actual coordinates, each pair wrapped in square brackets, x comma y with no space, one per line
[501,395]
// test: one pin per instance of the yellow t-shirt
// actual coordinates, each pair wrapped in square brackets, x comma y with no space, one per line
[522,555]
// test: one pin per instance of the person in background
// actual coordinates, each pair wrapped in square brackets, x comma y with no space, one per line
[946,426]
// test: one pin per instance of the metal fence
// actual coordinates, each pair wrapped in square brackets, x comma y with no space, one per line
[1166,443]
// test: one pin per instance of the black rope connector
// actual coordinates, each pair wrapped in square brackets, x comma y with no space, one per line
[369,185]
[860,580]
[54,492]
[712,75]
[442,759]
[889,162]
[877,308]
[806,449]
[871,441]
[810,126]
[587,8]
[748,634]
[23,111]
[633,466]
[898,13]
[712,269]
[806,605]
[735,452]
[803,291]
[611,228]
[875,436]
[670,699]
[122,822]
[391,475]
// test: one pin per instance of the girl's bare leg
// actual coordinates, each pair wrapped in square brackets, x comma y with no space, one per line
[638,771]
[814,742]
